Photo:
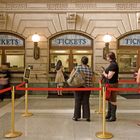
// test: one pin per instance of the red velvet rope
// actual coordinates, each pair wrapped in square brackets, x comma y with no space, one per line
[20,85]
[4,90]
[124,89]
[59,89]
[9,88]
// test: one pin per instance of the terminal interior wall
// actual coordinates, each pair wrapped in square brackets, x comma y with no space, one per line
[46,24]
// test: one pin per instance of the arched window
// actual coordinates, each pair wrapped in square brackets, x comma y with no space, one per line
[128,52]
[12,49]
[69,48]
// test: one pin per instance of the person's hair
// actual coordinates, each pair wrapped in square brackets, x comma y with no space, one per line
[112,56]
[84,60]
[58,65]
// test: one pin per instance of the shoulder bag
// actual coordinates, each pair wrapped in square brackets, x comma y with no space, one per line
[107,93]
[77,79]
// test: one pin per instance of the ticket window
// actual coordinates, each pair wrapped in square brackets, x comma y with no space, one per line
[70,47]
[77,59]
[69,58]
[12,50]
[78,54]
[128,62]
[62,55]
[15,60]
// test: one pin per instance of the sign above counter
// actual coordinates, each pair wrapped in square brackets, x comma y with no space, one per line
[130,40]
[71,40]
[10,40]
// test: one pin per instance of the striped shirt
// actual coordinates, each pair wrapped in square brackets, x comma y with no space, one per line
[88,74]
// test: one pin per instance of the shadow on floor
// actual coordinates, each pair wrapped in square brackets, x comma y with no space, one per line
[131,96]
[65,95]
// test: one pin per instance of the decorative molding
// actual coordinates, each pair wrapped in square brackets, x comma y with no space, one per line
[56,6]
[85,6]
[127,6]
[3,16]
[13,6]
[138,18]
[3,20]
[71,17]
[69,1]
[65,6]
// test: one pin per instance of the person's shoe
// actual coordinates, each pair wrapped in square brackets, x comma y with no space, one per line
[88,120]
[113,113]
[111,119]
[108,116]
[75,119]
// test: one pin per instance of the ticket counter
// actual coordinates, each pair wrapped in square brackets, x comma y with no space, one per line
[128,53]
[69,48]
[12,52]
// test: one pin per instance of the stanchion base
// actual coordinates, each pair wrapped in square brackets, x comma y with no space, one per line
[98,112]
[13,134]
[106,135]
[27,114]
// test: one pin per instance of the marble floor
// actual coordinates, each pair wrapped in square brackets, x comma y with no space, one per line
[52,120]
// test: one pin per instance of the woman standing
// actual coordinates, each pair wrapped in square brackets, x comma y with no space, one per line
[111,77]
[59,79]
[82,97]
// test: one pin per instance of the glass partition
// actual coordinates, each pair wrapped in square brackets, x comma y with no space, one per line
[16,61]
[127,62]
[77,59]
[78,54]
[55,57]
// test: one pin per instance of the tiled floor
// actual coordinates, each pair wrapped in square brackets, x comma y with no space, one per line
[52,120]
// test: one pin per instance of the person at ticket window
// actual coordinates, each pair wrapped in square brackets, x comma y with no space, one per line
[59,79]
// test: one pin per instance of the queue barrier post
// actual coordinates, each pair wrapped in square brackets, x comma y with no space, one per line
[26,113]
[100,110]
[104,134]
[13,133]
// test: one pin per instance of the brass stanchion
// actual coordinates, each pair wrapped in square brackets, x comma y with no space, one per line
[13,133]
[26,113]
[104,134]
[100,110]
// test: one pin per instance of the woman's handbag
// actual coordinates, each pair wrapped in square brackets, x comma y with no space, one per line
[107,93]
[77,79]
[105,81]
[66,77]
